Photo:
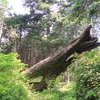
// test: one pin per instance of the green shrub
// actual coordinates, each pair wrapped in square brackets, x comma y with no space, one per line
[11,87]
[87,72]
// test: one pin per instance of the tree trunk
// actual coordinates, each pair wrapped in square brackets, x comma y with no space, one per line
[57,63]
[1,28]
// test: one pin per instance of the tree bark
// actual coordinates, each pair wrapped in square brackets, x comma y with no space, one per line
[57,63]
[1,28]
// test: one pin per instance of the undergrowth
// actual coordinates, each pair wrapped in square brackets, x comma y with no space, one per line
[13,86]
[86,86]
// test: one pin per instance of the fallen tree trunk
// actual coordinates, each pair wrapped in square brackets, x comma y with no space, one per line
[57,63]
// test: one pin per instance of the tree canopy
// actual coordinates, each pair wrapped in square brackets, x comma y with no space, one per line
[48,26]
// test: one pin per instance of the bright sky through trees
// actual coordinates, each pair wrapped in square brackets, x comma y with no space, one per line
[17,6]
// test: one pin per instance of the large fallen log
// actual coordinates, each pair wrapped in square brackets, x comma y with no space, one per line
[57,63]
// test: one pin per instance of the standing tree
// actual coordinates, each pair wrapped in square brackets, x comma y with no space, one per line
[3,8]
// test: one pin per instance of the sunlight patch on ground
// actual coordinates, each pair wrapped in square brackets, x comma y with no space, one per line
[63,87]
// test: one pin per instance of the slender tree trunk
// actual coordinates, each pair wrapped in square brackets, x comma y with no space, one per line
[1,28]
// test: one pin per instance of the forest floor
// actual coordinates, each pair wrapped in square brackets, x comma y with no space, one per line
[62,91]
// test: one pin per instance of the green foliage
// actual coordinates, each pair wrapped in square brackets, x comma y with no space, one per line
[44,5]
[87,72]
[39,34]
[11,87]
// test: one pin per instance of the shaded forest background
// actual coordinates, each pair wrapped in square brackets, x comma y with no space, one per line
[50,25]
